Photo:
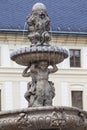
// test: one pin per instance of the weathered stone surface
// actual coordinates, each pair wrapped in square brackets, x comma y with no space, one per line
[44,118]
[51,54]
[38,24]
[40,90]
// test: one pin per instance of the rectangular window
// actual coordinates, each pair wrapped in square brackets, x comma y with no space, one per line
[0,100]
[75,58]
[0,56]
[77,100]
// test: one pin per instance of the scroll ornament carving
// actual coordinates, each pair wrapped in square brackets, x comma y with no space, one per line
[49,120]
[54,120]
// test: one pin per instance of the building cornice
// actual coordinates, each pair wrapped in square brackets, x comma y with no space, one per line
[54,33]
[7,73]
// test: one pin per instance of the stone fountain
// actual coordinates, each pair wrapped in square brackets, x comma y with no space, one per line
[40,114]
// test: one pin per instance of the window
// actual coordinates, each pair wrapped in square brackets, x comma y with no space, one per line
[77,99]
[0,100]
[75,58]
[0,56]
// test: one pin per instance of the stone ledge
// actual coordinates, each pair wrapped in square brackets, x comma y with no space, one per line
[27,55]
[63,118]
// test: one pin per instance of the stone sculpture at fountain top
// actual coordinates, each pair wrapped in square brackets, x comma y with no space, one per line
[38,25]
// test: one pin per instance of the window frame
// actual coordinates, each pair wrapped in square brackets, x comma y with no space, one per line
[75,59]
[0,99]
[72,99]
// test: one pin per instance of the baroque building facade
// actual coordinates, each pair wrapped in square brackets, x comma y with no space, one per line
[70,80]
[68,30]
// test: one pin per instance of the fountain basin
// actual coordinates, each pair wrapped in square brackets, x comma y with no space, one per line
[44,118]
[51,54]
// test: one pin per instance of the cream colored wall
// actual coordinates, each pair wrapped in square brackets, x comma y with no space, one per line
[71,78]
[13,85]
[68,80]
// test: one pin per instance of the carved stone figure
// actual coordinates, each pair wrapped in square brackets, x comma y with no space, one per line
[44,91]
[38,25]
[31,86]
[40,91]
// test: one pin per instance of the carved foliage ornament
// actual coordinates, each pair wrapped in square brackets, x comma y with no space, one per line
[44,119]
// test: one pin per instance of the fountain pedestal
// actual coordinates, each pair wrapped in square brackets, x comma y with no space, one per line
[44,118]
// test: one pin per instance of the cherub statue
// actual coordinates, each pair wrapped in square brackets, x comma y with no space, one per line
[40,91]
[31,86]
[44,89]
[38,25]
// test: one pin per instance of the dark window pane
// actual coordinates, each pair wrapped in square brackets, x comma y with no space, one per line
[77,53]
[74,58]
[77,99]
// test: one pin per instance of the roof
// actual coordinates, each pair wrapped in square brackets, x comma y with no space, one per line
[69,15]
